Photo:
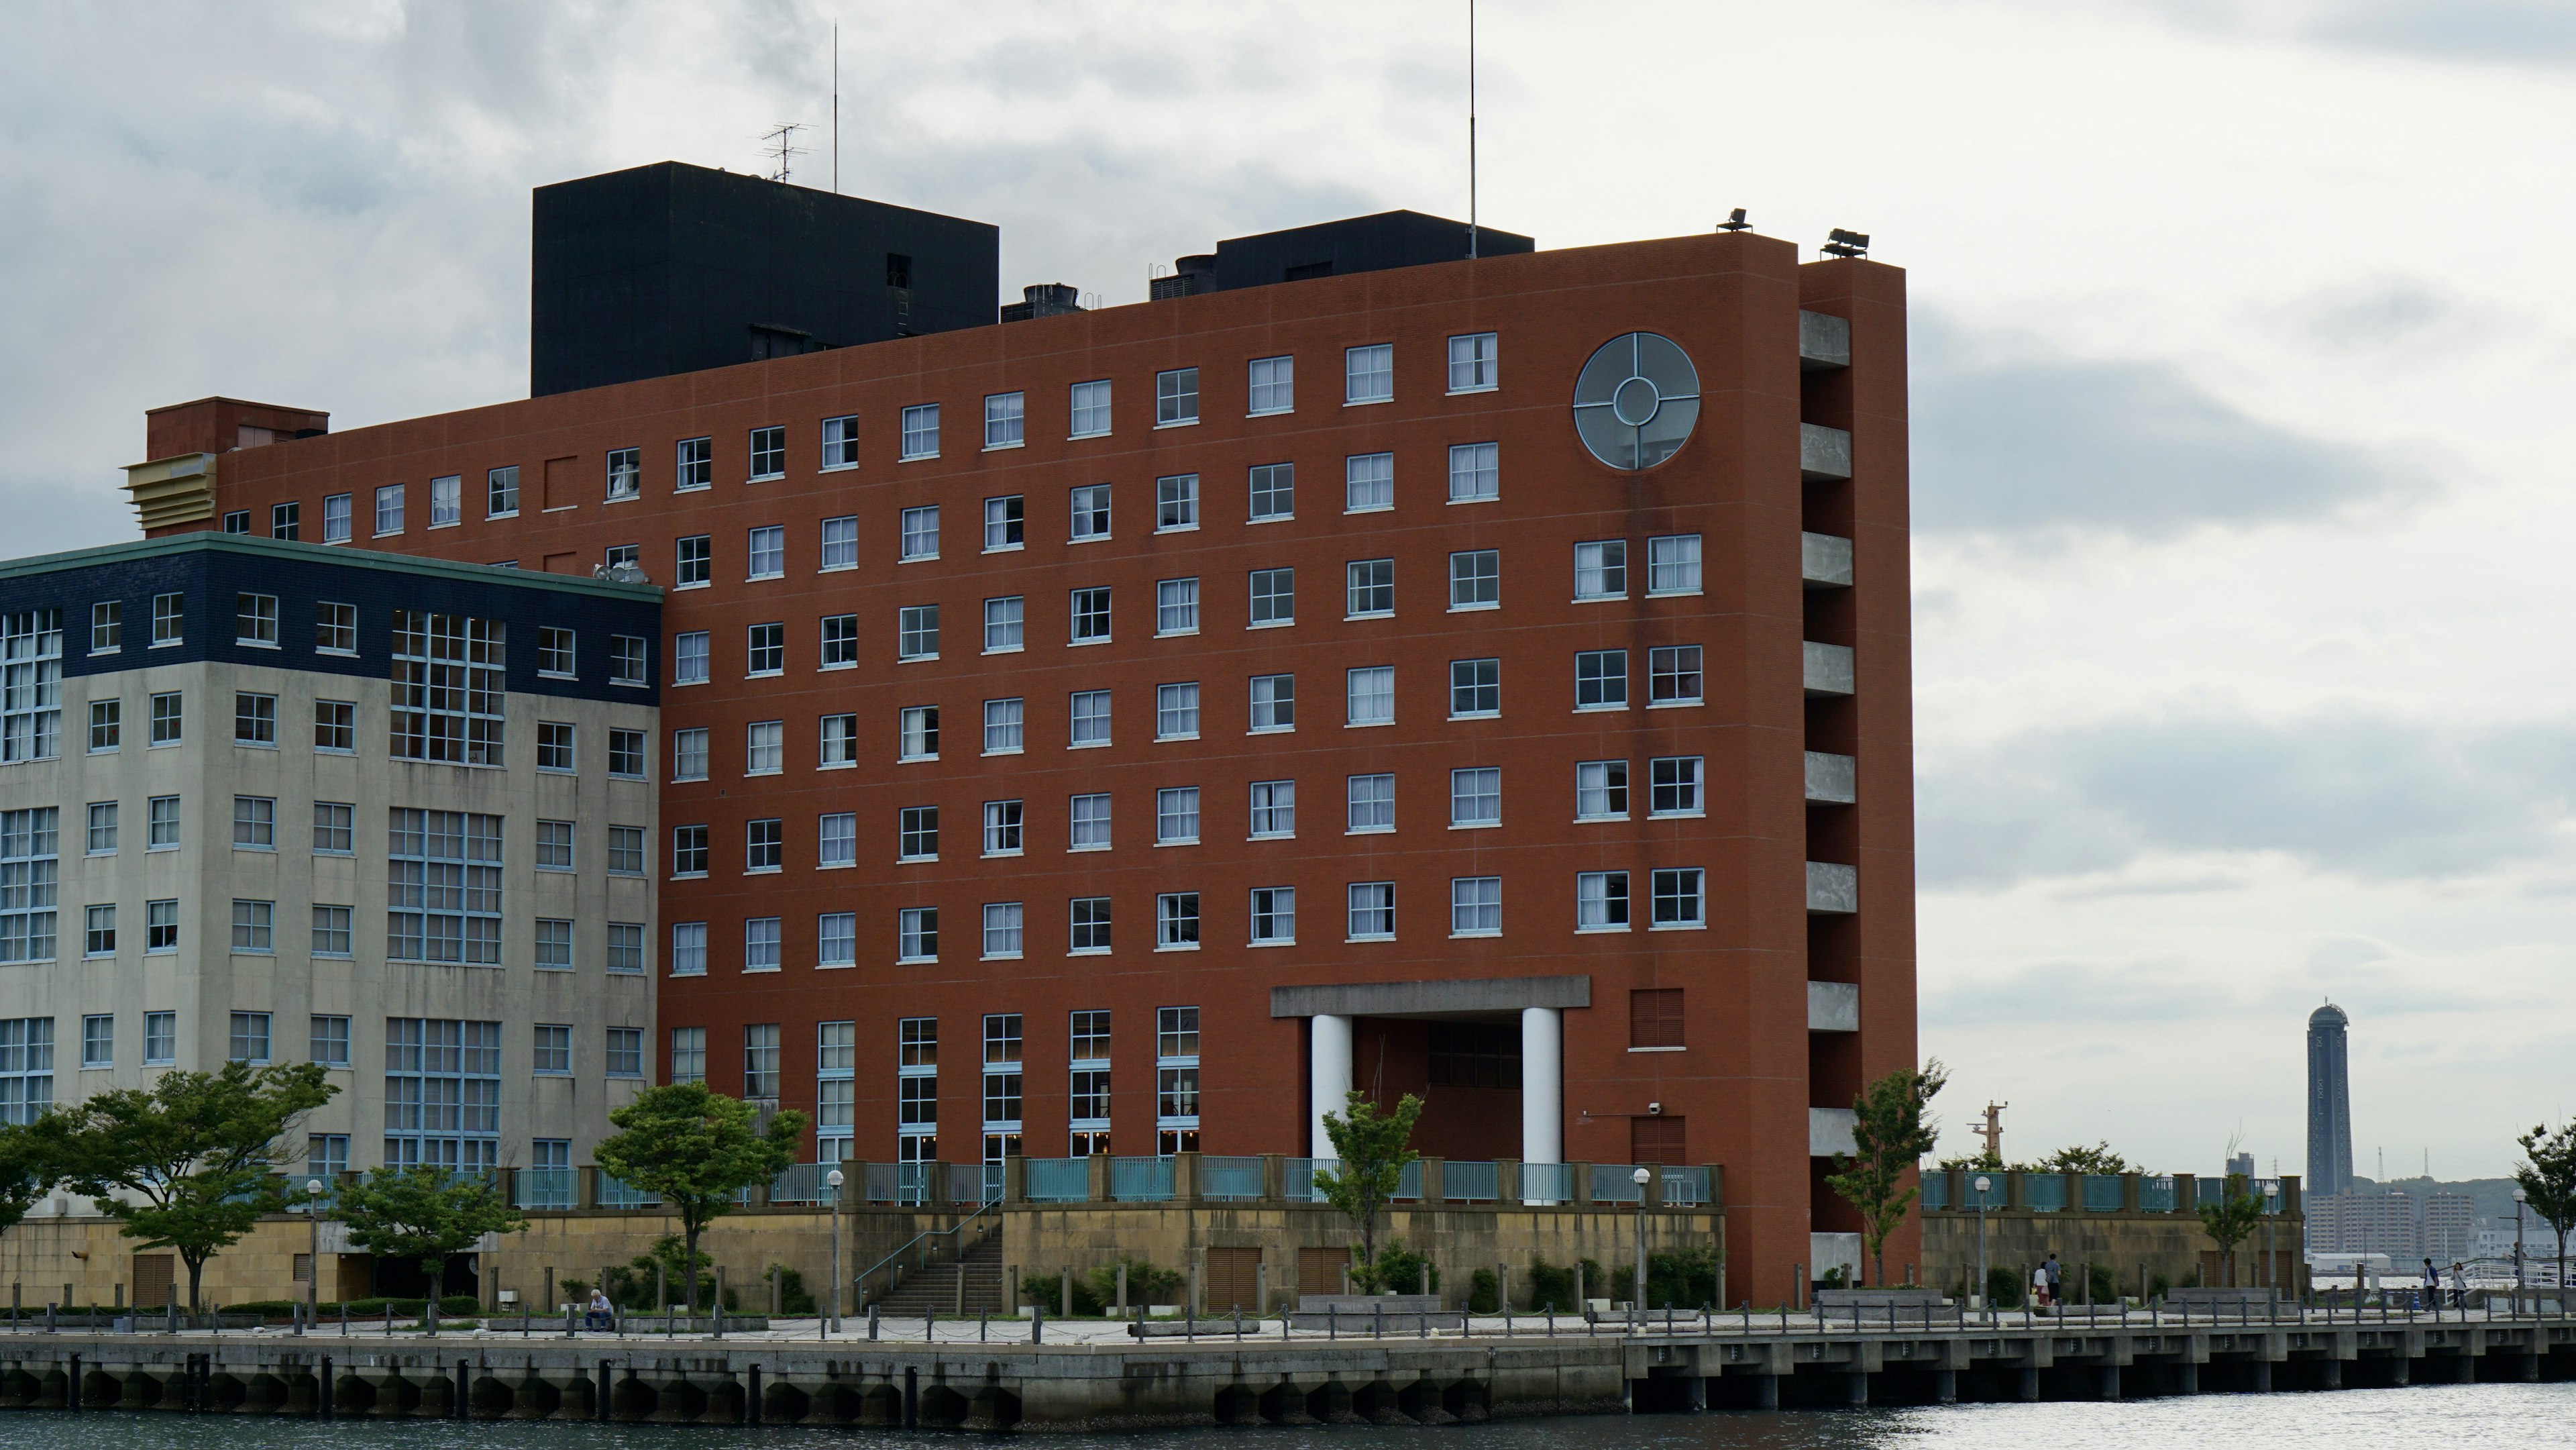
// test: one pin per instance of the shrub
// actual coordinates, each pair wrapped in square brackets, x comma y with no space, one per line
[1484,1293]
[1048,1290]
[1145,1285]
[792,1295]
[2106,1290]
[1551,1287]
[2158,1287]
[2003,1287]
[1682,1279]
[1398,1269]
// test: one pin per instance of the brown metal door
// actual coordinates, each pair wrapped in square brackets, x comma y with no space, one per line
[153,1280]
[1319,1271]
[1233,1281]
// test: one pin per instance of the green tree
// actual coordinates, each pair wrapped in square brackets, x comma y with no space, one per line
[1372,1148]
[188,1163]
[1892,1128]
[27,1171]
[2547,1175]
[424,1213]
[2231,1220]
[2079,1159]
[696,1149]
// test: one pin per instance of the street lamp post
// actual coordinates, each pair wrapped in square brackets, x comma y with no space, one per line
[1983,1183]
[1637,1297]
[832,1312]
[2518,1197]
[313,1260]
[2271,1205]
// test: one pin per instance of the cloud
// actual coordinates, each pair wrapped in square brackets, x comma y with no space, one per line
[2013,438]
[2368,797]
[2385,313]
[2479,32]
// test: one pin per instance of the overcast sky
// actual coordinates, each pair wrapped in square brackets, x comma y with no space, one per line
[2243,359]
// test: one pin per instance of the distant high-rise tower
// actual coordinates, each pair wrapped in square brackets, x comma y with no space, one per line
[2329,1104]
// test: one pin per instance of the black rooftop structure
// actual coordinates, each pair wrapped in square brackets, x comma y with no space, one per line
[1337,249]
[670,268]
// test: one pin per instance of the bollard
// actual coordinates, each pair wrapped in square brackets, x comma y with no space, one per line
[49,1321]
[326,1387]
[872,1324]
[1037,1324]
[751,1405]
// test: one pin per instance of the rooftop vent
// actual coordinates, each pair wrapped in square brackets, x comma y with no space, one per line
[1044,299]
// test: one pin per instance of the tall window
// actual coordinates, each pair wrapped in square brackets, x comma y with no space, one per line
[248,1039]
[106,627]
[389,509]
[1176,397]
[760,939]
[917,833]
[760,1062]
[169,619]
[625,472]
[840,641]
[106,725]
[449,687]
[442,1093]
[1089,1108]
[1090,924]
[1673,786]
[918,733]
[500,493]
[31,684]
[1005,416]
[921,431]
[836,1061]
[696,555]
[688,1054]
[335,519]
[26,1068]
[327,1041]
[1004,726]
[1473,359]
[767,649]
[840,741]
[1680,899]
[840,443]
[691,660]
[255,618]
[689,754]
[624,1058]
[445,888]
[1005,827]
[1371,695]
[1176,502]
[1176,921]
[1475,472]
[1002,929]
[1274,385]
[916,1091]
[917,632]
[688,949]
[917,934]
[1176,1080]
[1090,402]
[695,459]
[1368,482]
[1088,823]
[837,839]
[29,862]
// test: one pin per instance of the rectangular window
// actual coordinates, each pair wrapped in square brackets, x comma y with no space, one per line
[1672,675]
[1004,826]
[254,926]
[1274,597]
[389,509]
[917,632]
[98,931]
[1476,579]
[254,823]
[1176,816]
[1274,915]
[626,654]
[255,618]
[553,1049]
[106,726]
[450,685]
[1601,679]
[1176,397]
[840,442]
[689,754]
[1601,790]
[1002,929]
[626,850]
[626,754]
[1091,409]
[1680,900]
[1089,828]
[695,460]
[840,741]
[1601,901]
[917,934]
[1090,924]
[917,837]
[106,626]
[697,561]
[1476,906]
[328,1041]
[554,846]
[335,726]
[1476,796]
[1274,385]
[1370,691]
[285,520]
[1372,801]
[1176,607]
[168,719]
[837,839]
[769,453]
[689,949]
[688,1054]
[691,659]
[335,519]
[1475,689]
[553,945]
[1372,911]
[760,944]
[766,650]
[1089,612]
[920,533]
[500,493]
[1089,509]
[840,543]
[554,651]
[1472,363]
[1601,570]
[919,733]
[763,844]
[921,431]
[840,633]
[160,1038]
[1673,786]
[766,548]
[1176,711]
[1672,564]
[1273,491]
[334,931]
[1368,588]
[254,719]
[1005,523]
[1004,418]
[625,472]
[1090,719]
[555,739]
[1176,503]
[1368,374]
[836,941]
[98,1041]
[1368,483]
[764,747]
[1003,726]
[444,897]
[1176,921]
[760,1062]
[1274,810]
[161,823]
[102,828]
[1475,472]
[1274,703]
[248,1040]
[169,619]
[160,926]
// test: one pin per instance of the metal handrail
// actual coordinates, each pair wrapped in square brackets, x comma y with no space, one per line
[859,1280]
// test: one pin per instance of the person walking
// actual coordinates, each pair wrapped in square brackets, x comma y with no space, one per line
[2056,1279]
[2431,1297]
[2039,1287]
[2459,1286]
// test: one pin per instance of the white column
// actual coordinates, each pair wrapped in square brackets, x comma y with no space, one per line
[1542,1085]
[1329,1053]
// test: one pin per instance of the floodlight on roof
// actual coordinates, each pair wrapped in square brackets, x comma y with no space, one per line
[1841,243]
[1735,222]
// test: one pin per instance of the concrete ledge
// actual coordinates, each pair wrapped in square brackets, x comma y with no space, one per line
[1428,999]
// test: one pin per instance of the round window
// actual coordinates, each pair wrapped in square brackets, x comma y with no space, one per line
[1636,400]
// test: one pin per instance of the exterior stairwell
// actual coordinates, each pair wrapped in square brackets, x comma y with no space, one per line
[934,1288]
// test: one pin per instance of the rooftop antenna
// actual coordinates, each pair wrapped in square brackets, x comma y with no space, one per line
[1471,128]
[782,145]
[1992,1130]
[836,110]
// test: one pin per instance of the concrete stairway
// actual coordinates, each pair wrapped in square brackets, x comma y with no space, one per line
[935,1288]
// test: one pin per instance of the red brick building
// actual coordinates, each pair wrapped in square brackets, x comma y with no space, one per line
[1001,726]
